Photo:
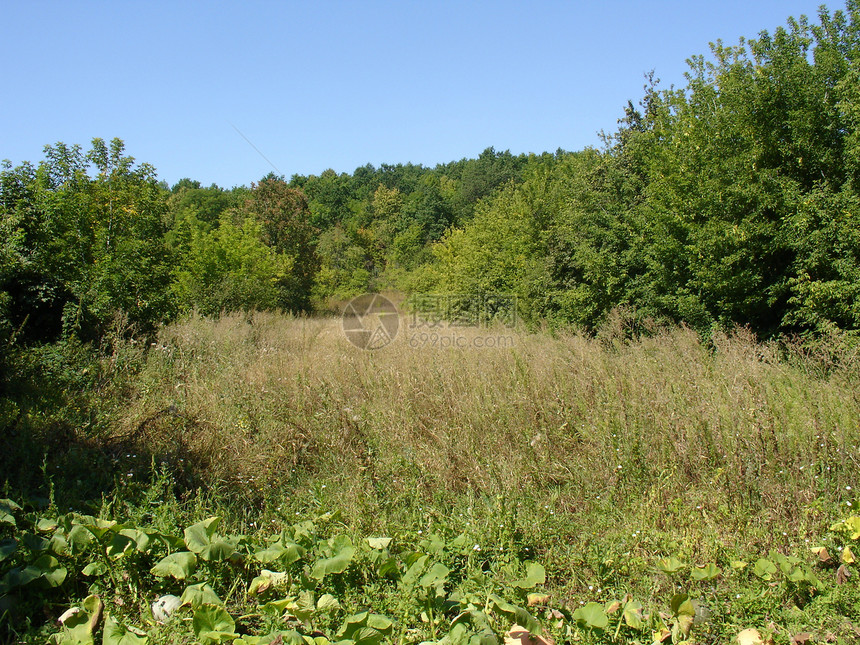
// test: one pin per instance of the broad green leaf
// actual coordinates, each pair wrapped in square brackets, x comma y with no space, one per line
[44,525]
[591,615]
[670,565]
[279,608]
[335,564]
[535,575]
[764,569]
[327,603]
[36,543]
[435,577]
[116,634]
[737,565]
[142,540]
[95,569]
[415,569]
[218,550]
[79,624]
[707,572]
[682,605]
[213,624]
[200,594]
[198,536]
[633,614]
[178,565]
[79,539]
[59,545]
[7,508]
[280,552]
[119,544]
[53,574]
[379,543]
[98,527]
[387,567]
[365,628]
[8,546]
[517,614]
[20,576]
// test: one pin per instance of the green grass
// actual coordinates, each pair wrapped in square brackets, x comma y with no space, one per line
[596,457]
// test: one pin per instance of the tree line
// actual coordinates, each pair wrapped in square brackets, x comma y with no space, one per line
[733,200]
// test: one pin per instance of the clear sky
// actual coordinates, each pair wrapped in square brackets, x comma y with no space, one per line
[316,85]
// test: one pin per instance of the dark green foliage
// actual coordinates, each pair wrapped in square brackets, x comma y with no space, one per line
[733,201]
[80,249]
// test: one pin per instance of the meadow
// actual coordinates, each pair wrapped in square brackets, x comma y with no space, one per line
[596,489]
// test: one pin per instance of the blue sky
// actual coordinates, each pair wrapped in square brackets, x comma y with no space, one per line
[316,85]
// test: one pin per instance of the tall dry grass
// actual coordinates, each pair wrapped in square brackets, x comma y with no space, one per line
[716,437]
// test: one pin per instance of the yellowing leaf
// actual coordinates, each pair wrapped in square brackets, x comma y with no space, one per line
[518,635]
[538,599]
[847,555]
[749,637]
[822,553]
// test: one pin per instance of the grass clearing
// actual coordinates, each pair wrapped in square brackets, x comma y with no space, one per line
[638,471]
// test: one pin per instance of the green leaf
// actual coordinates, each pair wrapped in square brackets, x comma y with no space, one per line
[633,614]
[46,526]
[280,552]
[682,605]
[98,527]
[142,540]
[8,546]
[36,543]
[764,569]
[21,576]
[7,508]
[670,565]
[338,563]
[213,624]
[80,623]
[199,536]
[435,577]
[591,615]
[118,546]
[218,550]
[58,545]
[79,539]
[178,565]
[327,603]
[200,594]
[379,543]
[535,575]
[116,634]
[53,574]
[516,614]
[95,569]
[365,628]
[707,572]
